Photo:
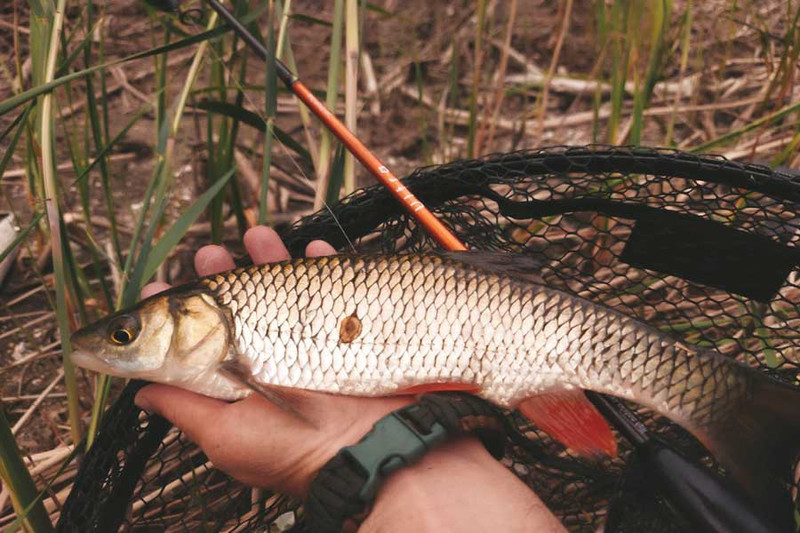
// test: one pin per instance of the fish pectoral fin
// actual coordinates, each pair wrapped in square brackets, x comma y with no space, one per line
[281,397]
[236,370]
[569,417]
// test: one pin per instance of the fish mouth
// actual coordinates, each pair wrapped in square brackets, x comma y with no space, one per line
[120,369]
[90,362]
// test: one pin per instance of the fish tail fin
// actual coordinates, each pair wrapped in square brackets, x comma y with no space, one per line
[759,445]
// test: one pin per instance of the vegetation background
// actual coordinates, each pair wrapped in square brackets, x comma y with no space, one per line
[128,138]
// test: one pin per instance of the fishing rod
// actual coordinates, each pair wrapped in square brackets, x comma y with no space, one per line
[410,203]
[698,494]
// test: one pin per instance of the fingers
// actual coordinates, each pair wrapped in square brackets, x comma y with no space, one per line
[264,245]
[207,420]
[189,411]
[208,260]
[212,259]
[319,249]
[154,288]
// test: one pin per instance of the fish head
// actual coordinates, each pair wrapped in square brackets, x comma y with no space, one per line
[179,338]
[132,343]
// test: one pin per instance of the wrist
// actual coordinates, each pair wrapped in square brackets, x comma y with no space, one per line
[416,496]
[458,487]
[349,430]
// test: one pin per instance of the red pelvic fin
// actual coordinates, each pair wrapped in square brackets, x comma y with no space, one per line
[440,387]
[572,420]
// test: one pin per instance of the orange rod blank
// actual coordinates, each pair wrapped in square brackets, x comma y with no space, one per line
[411,203]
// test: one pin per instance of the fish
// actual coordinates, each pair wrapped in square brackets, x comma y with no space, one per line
[477,322]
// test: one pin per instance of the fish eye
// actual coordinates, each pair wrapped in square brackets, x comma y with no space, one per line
[123,330]
[121,336]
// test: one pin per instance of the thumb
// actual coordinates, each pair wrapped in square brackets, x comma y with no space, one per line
[189,411]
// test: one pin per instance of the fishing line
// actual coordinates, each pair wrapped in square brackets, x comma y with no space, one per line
[302,174]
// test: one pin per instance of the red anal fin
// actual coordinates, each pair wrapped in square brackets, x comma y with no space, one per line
[440,387]
[572,420]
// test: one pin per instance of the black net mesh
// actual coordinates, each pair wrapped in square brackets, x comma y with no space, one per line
[701,247]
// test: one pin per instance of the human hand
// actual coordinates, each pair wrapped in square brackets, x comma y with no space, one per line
[262,445]
[253,440]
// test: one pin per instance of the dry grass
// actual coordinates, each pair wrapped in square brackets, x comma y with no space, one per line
[423,82]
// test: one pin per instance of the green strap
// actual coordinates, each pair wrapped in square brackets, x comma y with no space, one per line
[393,442]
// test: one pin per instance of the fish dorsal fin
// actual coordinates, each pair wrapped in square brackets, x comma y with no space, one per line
[523,266]
[570,418]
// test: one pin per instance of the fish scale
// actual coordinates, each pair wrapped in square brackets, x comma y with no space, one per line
[427,319]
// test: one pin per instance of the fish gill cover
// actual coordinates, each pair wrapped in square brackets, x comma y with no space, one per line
[700,247]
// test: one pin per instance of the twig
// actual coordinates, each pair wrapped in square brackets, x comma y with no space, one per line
[28,397]
[499,93]
[119,75]
[352,44]
[461,117]
[748,150]
[175,60]
[97,220]
[45,352]
[27,325]
[371,84]
[65,167]
[162,492]
[24,418]
[17,316]
[531,69]
[11,25]
[550,71]
[48,459]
